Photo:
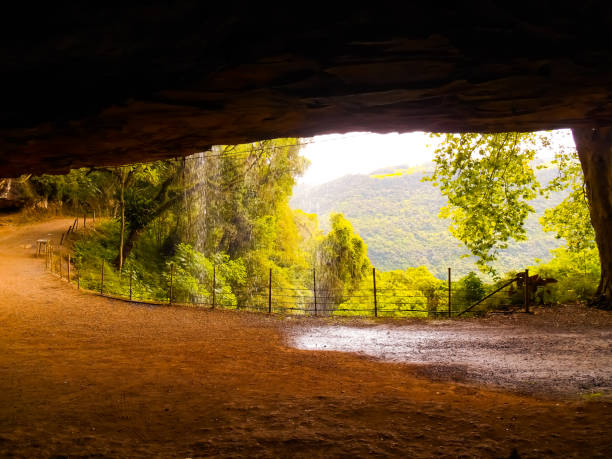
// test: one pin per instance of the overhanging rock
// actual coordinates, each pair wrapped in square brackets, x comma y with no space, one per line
[93,85]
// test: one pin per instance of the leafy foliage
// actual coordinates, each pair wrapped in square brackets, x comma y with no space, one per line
[218,227]
[488,181]
[570,219]
[341,255]
[473,288]
[577,273]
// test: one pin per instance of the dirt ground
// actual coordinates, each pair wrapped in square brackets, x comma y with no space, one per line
[561,351]
[85,376]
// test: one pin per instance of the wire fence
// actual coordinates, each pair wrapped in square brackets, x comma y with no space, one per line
[446,299]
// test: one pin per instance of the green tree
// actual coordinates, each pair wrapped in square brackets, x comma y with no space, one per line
[505,173]
[472,287]
[570,219]
[594,146]
[488,181]
[341,261]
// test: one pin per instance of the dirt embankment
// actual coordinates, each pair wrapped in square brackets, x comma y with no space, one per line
[83,375]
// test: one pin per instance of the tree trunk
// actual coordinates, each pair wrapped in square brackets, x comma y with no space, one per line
[122,230]
[595,152]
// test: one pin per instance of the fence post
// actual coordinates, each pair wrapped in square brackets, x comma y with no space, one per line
[270,293]
[314,288]
[375,302]
[526,291]
[84,220]
[59,259]
[68,268]
[171,282]
[449,293]
[214,286]
[62,239]
[102,279]
[131,275]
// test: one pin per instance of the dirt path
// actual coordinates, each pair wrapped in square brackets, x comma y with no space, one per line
[82,375]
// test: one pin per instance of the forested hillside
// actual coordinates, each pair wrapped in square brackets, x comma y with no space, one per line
[217,229]
[397,216]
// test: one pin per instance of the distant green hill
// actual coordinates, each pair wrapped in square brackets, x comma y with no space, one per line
[397,216]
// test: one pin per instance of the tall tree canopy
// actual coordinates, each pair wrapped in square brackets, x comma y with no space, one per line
[489,180]
[341,260]
[570,219]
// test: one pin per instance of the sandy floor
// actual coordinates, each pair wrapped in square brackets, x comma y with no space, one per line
[82,375]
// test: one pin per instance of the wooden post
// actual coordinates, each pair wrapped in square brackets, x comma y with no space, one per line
[526,291]
[171,282]
[270,293]
[449,293]
[131,275]
[314,289]
[76,224]
[68,268]
[62,239]
[84,220]
[375,301]
[214,286]
[59,260]
[102,279]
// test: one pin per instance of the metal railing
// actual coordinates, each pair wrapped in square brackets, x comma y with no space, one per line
[265,295]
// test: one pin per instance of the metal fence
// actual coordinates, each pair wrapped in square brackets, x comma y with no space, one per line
[266,295]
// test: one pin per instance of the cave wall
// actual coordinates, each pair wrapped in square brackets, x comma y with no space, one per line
[92,85]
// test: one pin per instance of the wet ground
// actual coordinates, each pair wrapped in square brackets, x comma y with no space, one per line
[540,355]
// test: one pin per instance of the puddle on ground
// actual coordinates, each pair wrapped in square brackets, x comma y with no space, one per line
[555,362]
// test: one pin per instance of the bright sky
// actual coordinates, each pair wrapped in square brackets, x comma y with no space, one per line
[335,155]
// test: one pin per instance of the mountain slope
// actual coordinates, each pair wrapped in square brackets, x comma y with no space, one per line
[397,216]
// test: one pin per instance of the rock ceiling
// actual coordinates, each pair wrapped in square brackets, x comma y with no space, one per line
[91,85]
